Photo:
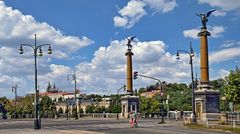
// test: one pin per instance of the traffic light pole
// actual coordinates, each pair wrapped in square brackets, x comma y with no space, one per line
[151,78]
[135,77]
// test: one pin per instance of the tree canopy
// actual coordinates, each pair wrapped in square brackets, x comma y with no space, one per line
[232,87]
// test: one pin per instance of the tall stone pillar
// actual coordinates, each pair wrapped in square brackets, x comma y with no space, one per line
[129,102]
[206,99]
[204,55]
[129,54]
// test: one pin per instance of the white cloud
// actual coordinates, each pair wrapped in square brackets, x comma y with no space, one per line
[219,13]
[163,6]
[58,75]
[17,28]
[224,55]
[230,43]
[220,73]
[59,55]
[131,14]
[120,21]
[191,33]
[223,4]
[182,74]
[223,73]
[6,83]
[107,70]
[134,11]
[216,31]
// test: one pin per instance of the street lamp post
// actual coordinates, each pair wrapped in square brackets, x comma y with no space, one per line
[191,55]
[161,94]
[67,103]
[37,120]
[14,89]
[135,74]
[74,77]
[123,87]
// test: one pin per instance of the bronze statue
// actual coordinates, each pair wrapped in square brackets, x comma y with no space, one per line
[204,17]
[129,40]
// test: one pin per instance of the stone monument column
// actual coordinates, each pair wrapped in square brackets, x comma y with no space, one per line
[206,99]
[129,54]
[129,102]
[204,55]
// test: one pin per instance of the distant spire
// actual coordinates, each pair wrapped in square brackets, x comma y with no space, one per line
[54,86]
[49,87]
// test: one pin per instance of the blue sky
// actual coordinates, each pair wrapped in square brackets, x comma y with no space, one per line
[89,36]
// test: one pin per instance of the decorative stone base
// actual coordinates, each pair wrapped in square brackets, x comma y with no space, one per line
[129,104]
[207,103]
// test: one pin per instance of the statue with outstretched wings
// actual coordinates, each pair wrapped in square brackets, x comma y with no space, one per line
[129,40]
[204,17]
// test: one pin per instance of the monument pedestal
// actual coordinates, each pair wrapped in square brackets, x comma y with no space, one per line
[129,104]
[207,103]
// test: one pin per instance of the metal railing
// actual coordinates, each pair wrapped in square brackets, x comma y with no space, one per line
[233,118]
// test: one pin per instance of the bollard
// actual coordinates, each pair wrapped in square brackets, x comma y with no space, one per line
[234,124]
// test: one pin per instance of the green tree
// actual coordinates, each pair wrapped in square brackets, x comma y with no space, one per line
[141,90]
[155,104]
[46,106]
[232,87]
[27,104]
[4,100]
[144,105]
[81,110]
[113,107]
[7,105]
[180,96]
[94,97]
[149,105]
[99,109]
[90,108]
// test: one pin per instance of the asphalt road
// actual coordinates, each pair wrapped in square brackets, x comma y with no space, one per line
[98,126]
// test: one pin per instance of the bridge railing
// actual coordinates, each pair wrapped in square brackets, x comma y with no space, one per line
[233,118]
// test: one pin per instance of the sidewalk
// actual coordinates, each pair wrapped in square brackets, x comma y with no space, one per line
[45,131]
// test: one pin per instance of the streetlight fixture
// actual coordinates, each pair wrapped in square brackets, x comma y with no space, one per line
[191,55]
[123,87]
[37,118]
[74,77]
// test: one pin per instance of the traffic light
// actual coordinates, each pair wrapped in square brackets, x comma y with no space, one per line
[135,74]
[124,87]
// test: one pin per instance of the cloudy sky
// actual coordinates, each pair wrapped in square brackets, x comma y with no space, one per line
[89,36]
